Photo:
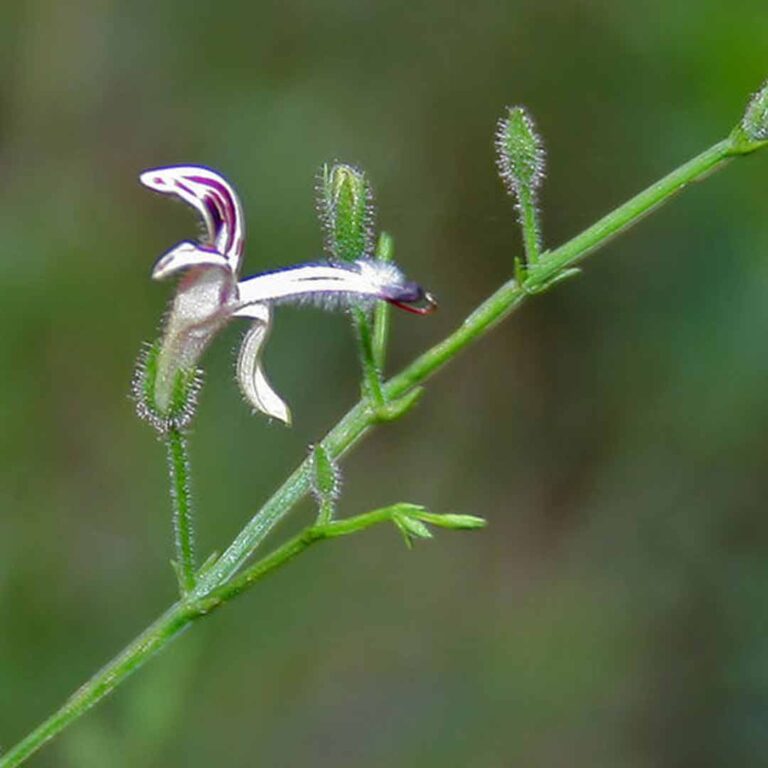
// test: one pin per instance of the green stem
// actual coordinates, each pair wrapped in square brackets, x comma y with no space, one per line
[529,222]
[172,623]
[298,544]
[181,500]
[631,212]
[356,423]
[155,637]
[217,581]
[381,314]
[326,511]
[371,372]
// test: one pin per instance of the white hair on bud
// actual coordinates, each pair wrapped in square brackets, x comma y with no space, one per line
[520,155]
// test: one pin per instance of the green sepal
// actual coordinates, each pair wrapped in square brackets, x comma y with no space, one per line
[183,402]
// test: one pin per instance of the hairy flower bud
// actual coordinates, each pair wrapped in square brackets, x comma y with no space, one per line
[325,475]
[755,120]
[346,212]
[326,482]
[520,153]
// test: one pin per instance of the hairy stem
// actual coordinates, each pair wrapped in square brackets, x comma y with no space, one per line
[529,222]
[298,544]
[381,314]
[628,214]
[371,373]
[152,639]
[181,500]
[356,423]
[219,583]
[170,625]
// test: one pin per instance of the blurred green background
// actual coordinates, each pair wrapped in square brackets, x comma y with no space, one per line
[614,432]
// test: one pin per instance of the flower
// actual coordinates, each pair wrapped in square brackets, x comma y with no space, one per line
[210,294]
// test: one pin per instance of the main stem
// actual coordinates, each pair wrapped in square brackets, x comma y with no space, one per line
[171,624]
[350,430]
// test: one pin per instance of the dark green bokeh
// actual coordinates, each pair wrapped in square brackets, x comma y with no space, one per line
[615,432]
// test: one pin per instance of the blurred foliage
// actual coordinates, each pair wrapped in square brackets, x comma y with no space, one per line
[614,433]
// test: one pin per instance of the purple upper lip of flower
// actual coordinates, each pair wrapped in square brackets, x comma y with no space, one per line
[213,197]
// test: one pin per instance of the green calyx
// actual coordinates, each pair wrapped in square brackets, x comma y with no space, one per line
[182,402]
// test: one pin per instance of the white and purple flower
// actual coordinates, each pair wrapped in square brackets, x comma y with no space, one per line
[210,292]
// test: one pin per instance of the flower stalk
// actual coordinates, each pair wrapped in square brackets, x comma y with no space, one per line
[385,250]
[181,501]
[347,214]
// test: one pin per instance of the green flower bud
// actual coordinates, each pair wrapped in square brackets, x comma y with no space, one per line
[755,120]
[346,212]
[325,475]
[520,153]
[326,482]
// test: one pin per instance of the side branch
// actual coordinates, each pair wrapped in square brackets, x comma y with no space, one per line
[356,423]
